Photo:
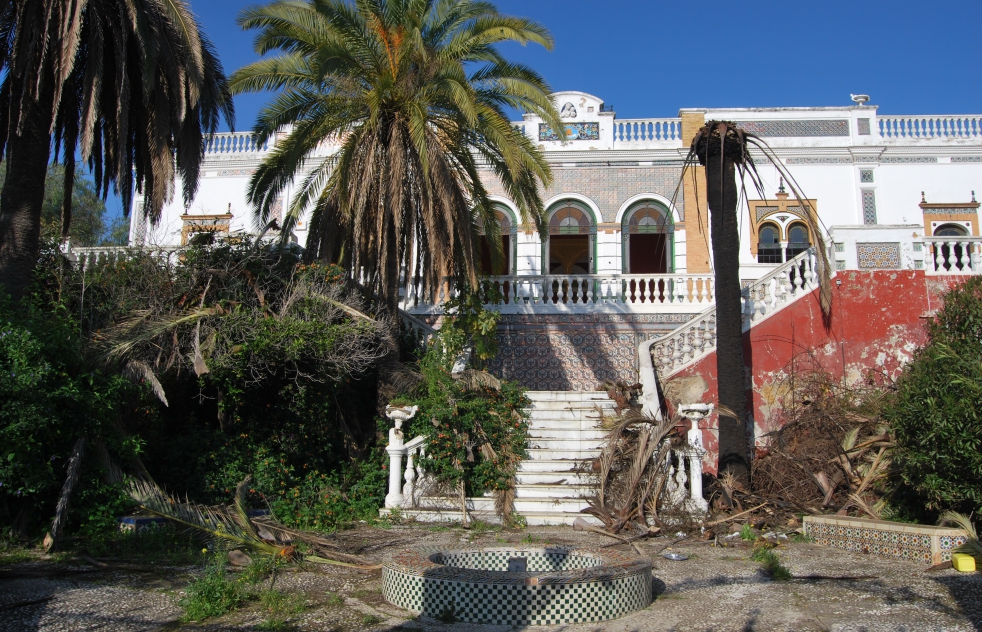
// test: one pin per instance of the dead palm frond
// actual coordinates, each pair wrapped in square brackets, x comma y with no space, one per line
[630,471]
[61,511]
[972,545]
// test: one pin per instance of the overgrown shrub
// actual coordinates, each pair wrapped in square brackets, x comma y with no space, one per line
[936,417]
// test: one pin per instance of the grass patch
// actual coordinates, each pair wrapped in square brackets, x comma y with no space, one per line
[211,595]
[334,599]
[371,619]
[480,526]
[14,555]
[278,608]
[772,563]
[161,545]
[801,538]
[747,533]
[530,539]
[439,528]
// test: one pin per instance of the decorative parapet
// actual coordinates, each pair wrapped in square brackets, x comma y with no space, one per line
[917,543]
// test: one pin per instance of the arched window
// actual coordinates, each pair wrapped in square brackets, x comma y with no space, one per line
[950,230]
[503,266]
[769,244]
[797,239]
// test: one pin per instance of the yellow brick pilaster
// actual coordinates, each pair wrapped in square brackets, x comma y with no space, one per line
[694,198]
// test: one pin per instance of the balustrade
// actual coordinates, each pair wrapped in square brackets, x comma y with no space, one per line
[233,143]
[953,255]
[647,130]
[763,297]
[928,127]
[598,289]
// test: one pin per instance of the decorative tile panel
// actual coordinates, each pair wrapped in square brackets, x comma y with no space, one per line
[908,160]
[862,125]
[917,543]
[869,207]
[865,175]
[840,265]
[966,159]
[575,352]
[840,246]
[823,160]
[562,585]
[791,128]
[764,210]
[949,210]
[574,131]
[878,256]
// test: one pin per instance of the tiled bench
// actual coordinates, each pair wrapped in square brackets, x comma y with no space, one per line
[915,542]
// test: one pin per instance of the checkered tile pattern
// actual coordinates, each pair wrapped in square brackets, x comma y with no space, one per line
[930,545]
[593,585]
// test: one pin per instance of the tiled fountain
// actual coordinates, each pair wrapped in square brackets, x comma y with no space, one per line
[518,585]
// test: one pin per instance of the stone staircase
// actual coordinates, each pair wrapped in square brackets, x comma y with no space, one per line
[551,485]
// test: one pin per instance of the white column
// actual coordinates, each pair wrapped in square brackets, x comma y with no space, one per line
[396,451]
[695,413]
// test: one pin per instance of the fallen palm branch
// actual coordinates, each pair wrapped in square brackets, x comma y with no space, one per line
[631,470]
[229,525]
[972,546]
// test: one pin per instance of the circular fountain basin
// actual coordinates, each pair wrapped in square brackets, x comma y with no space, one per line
[561,584]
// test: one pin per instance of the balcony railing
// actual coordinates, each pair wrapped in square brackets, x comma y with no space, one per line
[633,131]
[644,293]
[953,255]
[931,127]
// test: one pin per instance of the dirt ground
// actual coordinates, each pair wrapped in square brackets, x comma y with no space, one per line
[717,588]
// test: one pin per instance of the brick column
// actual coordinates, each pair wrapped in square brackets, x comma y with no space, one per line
[694,197]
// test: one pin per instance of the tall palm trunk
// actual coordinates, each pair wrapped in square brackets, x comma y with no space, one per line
[720,160]
[28,149]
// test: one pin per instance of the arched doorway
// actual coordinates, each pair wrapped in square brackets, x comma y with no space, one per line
[504,265]
[951,256]
[569,250]
[647,233]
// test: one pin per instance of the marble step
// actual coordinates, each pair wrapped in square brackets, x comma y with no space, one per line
[558,466]
[568,454]
[558,433]
[576,414]
[564,424]
[547,490]
[522,505]
[574,444]
[567,396]
[532,518]
[554,478]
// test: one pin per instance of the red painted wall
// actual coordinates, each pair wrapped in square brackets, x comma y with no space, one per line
[878,321]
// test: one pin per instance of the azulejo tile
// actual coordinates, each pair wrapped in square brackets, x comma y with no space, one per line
[563,584]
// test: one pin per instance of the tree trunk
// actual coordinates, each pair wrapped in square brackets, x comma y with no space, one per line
[721,189]
[23,195]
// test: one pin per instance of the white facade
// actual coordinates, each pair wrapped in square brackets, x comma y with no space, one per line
[865,172]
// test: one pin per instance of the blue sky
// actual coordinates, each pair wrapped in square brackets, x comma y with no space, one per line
[650,58]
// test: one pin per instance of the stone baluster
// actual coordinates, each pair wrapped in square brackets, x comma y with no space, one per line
[409,489]
[681,291]
[964,259]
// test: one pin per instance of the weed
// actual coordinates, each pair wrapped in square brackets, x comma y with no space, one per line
[278,607]
[801,538]
[262,567]
[439,528]
[366,593]
[747,533]
[371,619]
[449,615]
[517,521]
[530,538]
[480,526]
[334,599]
[501,539]
[772,563]
[14,556]
[211,595]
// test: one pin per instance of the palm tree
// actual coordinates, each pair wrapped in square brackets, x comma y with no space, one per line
[722,148]
[131,87]
[414,92]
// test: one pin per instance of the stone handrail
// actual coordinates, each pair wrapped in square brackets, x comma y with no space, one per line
[233,143]
[403,484]
[638,291]
[647,130]
[930,127]
[86,257]
[952,255]
[664,356]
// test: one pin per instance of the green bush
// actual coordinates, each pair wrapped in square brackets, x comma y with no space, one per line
[476,428]
[936,416]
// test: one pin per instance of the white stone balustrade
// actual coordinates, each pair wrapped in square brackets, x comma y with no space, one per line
[930,127]
[89,256]
[641,293]
[647,131]
[765,296]
[233,143]
[952,255]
